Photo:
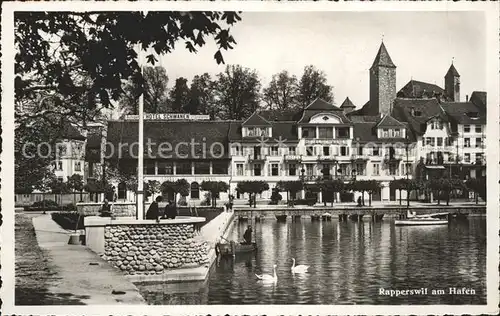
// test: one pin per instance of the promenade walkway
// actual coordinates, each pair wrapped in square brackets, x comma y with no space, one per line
[81,273]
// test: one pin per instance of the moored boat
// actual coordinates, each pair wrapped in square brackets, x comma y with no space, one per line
[232,248]
[420,221]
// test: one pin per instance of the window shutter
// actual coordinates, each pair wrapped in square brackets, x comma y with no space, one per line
[268,169]
[336,150]
[347,150]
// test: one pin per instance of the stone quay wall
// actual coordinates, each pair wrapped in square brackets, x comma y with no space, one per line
[152,249]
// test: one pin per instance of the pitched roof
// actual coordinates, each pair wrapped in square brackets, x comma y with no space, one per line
[347,104]
[171,133]
[69,131]
[418,89]
[427,108]
[281,115]
[478,98]
[389,121]
[383,59]
[321,105]
[461,112]
[256,120]
[287,130]
[364,118]
[453,71]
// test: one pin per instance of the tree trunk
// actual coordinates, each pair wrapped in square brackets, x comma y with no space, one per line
[363,197]
[408,198]
[476,196]
[81,195]
[255,200]
[400,196]
[439,197]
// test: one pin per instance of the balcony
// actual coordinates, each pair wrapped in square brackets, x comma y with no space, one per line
[342,177]
[293,158]
[356,157]
[323,158]
[256,158]
[393,158]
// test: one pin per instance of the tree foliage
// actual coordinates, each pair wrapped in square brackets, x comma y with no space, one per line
[282,93]
[292,187]
[155,92]
[237,91]
[55,49]
[478,186]
[202,97]
[179,96]
[181,186]
[252,188]
[215,188]
[313,84]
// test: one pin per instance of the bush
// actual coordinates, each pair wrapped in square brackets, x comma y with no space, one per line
[346,197]
[207,199]
[48,204]
[275,198]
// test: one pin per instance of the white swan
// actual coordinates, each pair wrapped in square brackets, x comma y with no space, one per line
[300,268]
[267,277]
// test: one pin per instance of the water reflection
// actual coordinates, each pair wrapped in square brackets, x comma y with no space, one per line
[349,262]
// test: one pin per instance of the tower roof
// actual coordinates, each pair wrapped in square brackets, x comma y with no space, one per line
[453,71]
[383,59]
[347,104]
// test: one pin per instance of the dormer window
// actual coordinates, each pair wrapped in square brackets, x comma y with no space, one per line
[325,118]
[473,115]
[385,133]
[415,113]
[251,131]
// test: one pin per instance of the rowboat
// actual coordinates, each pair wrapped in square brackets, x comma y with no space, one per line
[420,221]
[232,248]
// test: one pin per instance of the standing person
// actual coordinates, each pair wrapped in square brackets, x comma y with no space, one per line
[153,211]
[247,236]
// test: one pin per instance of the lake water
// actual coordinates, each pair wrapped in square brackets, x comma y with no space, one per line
[349,263]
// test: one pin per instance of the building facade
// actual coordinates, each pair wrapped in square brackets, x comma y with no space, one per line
[420,131]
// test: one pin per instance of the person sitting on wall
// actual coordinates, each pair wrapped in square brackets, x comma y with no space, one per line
[106,209]
[170,210]
[153,211]
[247,236]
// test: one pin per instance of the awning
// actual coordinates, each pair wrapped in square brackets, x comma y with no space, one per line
[435,167]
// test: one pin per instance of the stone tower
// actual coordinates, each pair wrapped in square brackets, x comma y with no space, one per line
[382,83]
[452,84]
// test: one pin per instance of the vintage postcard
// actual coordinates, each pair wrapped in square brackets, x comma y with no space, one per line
[250,158]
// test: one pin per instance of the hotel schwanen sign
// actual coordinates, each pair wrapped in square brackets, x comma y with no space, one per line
[167,117]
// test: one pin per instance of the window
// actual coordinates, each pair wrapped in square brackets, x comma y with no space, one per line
[326,151]
[344,150]
[78,166]
[184,168]
[360,169]
[122,190]
[466,128]
[291,150]
[360,151]
[274,169]
[376,151]
[308,132]
[310,151]
[309,170]
[479,157]
[385,133]
[479,142]
[397,132]
[479,129]
[325,132]
[393,169]
[440,141]
[467,157]
[149,167]
[343,132]
[59,165]
[256,152]
[201,168]
[466,142]
[262,131]
[376,169]
[274,151]
[195,190]
[251,131]
[257,171]
[239,169]
[429,141]
[165,167]
[237,150]
[292,169]
[219,167]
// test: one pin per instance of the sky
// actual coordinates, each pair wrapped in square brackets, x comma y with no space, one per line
[344,44]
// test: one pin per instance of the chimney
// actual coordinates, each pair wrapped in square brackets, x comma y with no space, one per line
[466,98]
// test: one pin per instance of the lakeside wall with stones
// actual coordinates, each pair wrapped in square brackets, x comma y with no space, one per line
[153,249]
